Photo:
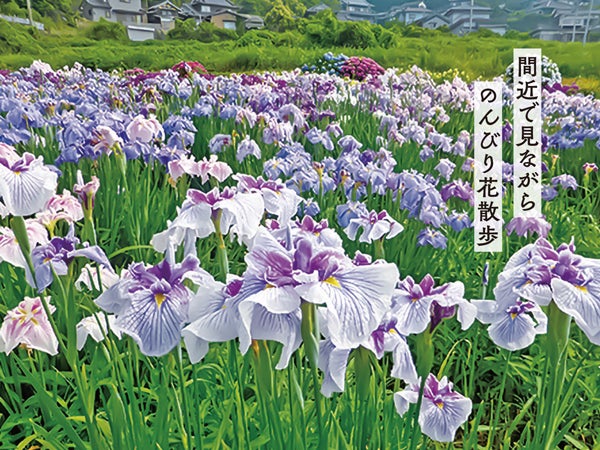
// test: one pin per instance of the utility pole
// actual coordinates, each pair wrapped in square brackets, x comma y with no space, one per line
[587,24]
[30,12]
[471,17]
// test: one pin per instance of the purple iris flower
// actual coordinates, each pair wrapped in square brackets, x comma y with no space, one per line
[431,237]
[566,181]
[151,304]
[349,211]
[459,221]
[356,297]
[236,212]
[589,168]
[316,136]
[541,274]
[426,153]
[418,305]
[57,255]
[247,147]
[459,189]
[218,142]
[333,361]
[279,200]
[375,226]
[445,168]
[308,207]
[349,144]
[468,165]
[442,409]
[549,193]
[524,226]
[514,326]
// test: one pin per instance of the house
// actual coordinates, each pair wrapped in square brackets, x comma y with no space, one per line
[467,10]
[221,13]
[164,14]
[122,11]
[549,7]
[432,21]
[356,10]
[313,10]
[411,12]
[204,10]
[464,26]
[549,33]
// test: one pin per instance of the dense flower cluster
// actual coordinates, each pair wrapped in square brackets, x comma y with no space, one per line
[297,187]
[328,63]
[359,68]
[551,75]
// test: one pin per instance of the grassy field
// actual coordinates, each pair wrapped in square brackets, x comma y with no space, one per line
[479,55]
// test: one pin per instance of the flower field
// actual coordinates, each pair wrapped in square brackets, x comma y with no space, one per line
[286,261]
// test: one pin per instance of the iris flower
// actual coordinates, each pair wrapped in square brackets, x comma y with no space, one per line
[151,304]
[442,409]
[534,276]
[26,184]
[28,324]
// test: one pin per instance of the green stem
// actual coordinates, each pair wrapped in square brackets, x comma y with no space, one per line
[186,416]
[559,325]
[500,402]
[424,353]
[222,260]
[379,249]
[310,334]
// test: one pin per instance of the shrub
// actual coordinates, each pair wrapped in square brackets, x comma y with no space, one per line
[256,38]
[105,30]
[356,35]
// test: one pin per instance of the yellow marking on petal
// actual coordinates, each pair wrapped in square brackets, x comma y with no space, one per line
[583,289]
[34,321]
[17,173]
[414,300]
[440,405]
[393,331]
[159,299]
[333,281]
[269,286]
[513,316]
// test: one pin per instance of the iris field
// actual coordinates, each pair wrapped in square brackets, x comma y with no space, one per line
[285,261]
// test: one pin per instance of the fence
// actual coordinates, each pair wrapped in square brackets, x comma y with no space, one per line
[14,19]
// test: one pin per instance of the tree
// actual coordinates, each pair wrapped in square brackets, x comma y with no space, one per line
[279,18]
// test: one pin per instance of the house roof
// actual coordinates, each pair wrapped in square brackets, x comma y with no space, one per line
[221,3]
[318,8]
[164,5]
[467,8]
[413,9]
[98,3]
[476,23]
[363,3]
[428,17]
